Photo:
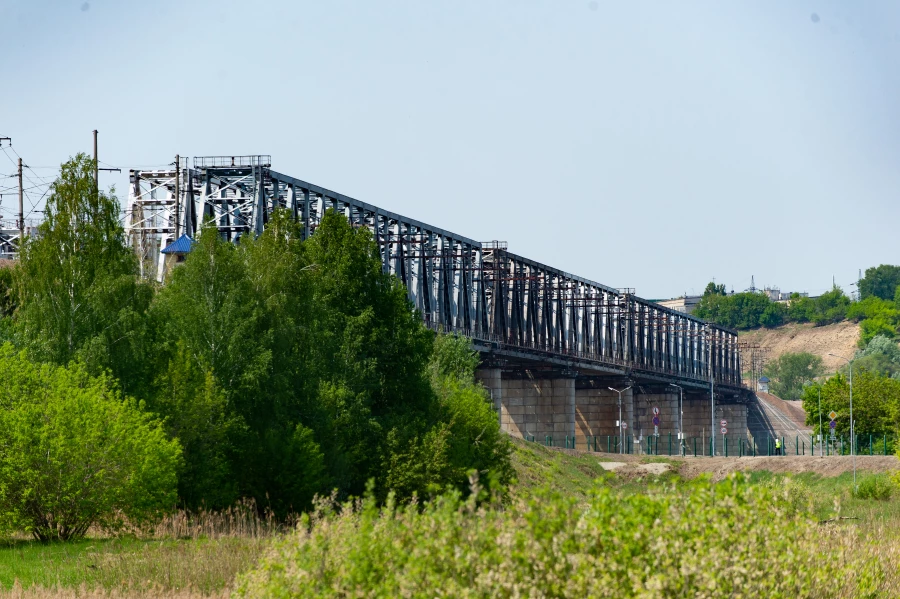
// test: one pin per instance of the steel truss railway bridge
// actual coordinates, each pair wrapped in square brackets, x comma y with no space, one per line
[554,345]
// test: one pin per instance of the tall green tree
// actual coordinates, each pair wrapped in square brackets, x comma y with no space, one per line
[880,281]
[79,296]
[371,351]
[789,371]
[876,400]
[876,317]
[211,327]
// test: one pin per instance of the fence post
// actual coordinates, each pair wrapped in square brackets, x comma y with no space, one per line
[797,445]
[870,443]
[725,443]
[670,440]
[695,446]
[607,436]
[768,446]
[885,444]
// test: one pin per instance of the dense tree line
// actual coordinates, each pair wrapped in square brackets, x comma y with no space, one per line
[281,367]
[877,311]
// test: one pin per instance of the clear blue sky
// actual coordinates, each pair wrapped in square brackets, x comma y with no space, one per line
[652,145]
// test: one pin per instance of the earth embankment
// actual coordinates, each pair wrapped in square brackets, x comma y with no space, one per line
[839,338]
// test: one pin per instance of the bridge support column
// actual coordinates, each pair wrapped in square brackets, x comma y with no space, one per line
[698,422]
[596,414]
[667,403]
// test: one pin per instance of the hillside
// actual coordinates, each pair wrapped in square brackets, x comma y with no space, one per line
[837,338]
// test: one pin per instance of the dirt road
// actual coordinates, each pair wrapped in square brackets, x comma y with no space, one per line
[722,467]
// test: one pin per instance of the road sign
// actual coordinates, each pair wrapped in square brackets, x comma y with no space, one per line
[833,425]
[624,425]
[723,430]
[656,421]
[723,422]
[655,411]
[832,414]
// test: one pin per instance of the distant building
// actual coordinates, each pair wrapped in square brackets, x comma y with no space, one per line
[763,384]
[685,303]
[176,253]
[776,295]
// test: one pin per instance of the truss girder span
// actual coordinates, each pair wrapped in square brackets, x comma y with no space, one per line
[477,289]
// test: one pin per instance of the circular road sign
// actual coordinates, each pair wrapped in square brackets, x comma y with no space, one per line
[832,414]
[723,430]
[656,421]
[624,425]
[723,422]
[655,411]
[833,425]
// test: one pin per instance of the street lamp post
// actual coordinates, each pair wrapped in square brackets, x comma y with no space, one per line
[821,430]
[852,430]
[680,416]
[712,389]
[621,432]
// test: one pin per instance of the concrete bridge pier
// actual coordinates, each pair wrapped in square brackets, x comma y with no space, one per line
[561,408]
[534,404]
[596,413]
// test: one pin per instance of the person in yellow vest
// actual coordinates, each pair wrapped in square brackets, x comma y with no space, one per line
[777,446]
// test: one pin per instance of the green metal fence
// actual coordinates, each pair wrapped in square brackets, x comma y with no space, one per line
[733,445]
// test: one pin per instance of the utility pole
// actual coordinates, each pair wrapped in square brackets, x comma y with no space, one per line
[21,209]
[177,194]
[96,166]
[712,391]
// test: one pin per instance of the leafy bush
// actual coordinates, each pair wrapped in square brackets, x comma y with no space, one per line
[724,540]
[794,496]
[76,453]
[875,486]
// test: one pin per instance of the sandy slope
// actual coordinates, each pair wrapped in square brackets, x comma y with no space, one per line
[837,338]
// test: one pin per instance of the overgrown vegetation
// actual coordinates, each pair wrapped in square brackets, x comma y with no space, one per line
[659,543]
[282,368]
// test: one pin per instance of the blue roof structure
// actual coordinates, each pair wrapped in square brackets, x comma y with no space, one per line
[182,245]
[762,379]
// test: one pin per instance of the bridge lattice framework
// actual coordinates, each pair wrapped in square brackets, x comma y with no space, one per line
[501,300]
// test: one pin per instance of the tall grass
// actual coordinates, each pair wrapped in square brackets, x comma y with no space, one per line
[242,521]
[188,553]
[730,539]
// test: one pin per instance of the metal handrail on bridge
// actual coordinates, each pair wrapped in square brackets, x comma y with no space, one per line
[494,338]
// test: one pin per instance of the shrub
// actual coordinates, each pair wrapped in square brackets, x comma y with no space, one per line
[875,486]
[725,540]
[74,452]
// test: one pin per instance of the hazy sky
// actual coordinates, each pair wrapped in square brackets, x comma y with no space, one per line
[652,145]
